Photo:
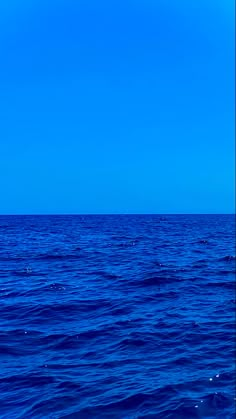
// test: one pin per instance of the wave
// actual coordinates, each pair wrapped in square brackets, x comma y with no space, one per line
[228,258]
[155,280]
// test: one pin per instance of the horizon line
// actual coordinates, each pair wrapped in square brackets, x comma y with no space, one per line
[111,214]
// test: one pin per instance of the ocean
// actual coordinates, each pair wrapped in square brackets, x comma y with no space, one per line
[117,316]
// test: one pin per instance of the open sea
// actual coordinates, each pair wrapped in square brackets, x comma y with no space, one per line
[120,316]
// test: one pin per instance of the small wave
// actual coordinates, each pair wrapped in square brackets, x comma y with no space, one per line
[105,275]
[55,257]
[24,273]
[11,258]
[28,380]
[228,258]
[129,342]
[230,285]
[129,404]
[209,406]
[155,280]
[6,350]
[54,286]
[68,342]
[54,312]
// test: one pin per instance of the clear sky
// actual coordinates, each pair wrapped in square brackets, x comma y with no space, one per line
[116,106]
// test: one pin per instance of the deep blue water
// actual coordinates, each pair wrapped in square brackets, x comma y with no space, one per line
[117,317]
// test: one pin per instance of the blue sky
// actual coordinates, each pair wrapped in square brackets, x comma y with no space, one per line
[117,106]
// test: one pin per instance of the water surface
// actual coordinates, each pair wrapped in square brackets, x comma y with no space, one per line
[117,317]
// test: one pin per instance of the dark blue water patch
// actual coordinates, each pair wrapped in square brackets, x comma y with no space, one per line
[58,257]
[154,281]
[26,381]
[5,258]
[117,317]
[209,406]
[105,275]
[128,404]
[24,273]
[203,241]
[228,258]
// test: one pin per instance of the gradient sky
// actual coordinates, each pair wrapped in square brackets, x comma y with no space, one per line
[117,106]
